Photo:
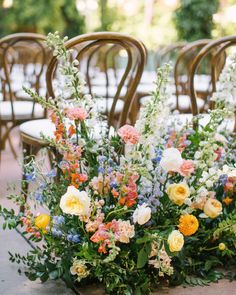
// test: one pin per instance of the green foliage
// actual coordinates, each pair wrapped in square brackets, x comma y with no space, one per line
[194,19]
[42,17]
[226,226]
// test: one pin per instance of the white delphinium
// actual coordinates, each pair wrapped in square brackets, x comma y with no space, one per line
[151,124]
[225,96]
[74,92]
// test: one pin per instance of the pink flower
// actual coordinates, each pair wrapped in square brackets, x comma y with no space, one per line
[77,114]
[129,134]
[187,168]
[219,152]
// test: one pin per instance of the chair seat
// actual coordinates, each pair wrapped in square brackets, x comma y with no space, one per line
[101,91]
[34,128]
[184,102]
[182,119]
[104,105]
[22,110]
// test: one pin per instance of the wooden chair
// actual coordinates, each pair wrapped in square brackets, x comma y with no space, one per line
[217,50]
[180,99]
[182,68]
[23,57]
[84,46]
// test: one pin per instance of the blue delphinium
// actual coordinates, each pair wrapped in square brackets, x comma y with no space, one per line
[58,220]
[38,195]
[52,173]
[74,238]
[30,177]
[158,157]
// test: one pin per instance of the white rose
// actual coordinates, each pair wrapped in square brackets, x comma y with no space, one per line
[175,241]
[75,202]
[142,214]
[171,160]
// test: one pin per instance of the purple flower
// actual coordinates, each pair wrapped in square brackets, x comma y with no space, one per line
[101,159]
[109,169]
[30,177]
[52,173]
[76,238]
[101,170]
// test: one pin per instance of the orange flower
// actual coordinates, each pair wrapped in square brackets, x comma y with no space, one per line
[71,130]
[188,224]
[115,193]
[227,201]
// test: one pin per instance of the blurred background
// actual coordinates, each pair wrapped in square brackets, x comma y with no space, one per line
[156,22]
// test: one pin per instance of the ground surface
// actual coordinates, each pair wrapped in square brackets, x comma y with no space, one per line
[11,283]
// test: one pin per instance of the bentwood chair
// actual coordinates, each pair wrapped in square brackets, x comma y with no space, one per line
[180,99]
[182,68]
[218,49]
[22,62]
[84,46]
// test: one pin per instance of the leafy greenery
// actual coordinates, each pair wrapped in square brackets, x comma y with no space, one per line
[42,16]
[194,19]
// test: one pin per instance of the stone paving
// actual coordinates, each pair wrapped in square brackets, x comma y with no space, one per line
[11,283]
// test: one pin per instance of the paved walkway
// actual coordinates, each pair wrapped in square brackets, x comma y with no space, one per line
[11,283]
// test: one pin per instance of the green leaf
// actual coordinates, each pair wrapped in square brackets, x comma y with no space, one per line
[53,275]
[143,255]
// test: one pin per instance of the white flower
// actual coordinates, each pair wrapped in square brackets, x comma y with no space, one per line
[197,155]
[171,160]
[75,202]
[220,138]
[175,241]
[142,214]
[209,183]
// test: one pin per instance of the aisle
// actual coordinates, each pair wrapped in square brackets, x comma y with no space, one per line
[11,283]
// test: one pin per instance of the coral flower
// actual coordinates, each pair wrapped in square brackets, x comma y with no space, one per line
[129,134]
[76,114]
[188,224]
[187,168]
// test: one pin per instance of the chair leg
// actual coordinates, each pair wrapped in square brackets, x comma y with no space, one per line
[12,148]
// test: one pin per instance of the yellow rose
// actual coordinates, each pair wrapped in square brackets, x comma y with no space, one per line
[42,221]
[212,208]
[175,241]
[222,247]
[178,192]
[75,202]
[79,268]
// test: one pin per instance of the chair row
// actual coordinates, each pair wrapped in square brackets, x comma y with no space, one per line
[113,66]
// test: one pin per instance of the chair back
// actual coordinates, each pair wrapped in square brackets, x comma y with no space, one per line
[169,53]
[23,60]
[218,49]
[182,68]
[112,60]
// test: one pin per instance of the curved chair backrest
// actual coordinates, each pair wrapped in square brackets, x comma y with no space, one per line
[168,53]
[105,45]
[183,65]
[23,59]
[219,47]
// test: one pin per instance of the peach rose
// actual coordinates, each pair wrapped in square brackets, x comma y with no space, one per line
[129,134]
[77,114]
[187,168]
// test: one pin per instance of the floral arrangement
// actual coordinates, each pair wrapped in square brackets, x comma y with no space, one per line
[149,204]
